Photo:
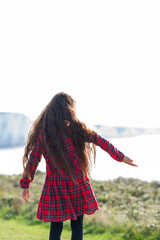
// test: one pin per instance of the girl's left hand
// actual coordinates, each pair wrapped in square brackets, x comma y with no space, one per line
[129,161]
[25,193]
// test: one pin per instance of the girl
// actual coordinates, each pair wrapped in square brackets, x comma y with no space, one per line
[65,143]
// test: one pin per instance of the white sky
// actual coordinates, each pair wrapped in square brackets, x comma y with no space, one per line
[106,54]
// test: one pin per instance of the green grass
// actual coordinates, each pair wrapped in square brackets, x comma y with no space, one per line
[14,229]
[10,229]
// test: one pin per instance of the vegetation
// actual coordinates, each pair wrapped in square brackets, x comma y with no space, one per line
[129,209]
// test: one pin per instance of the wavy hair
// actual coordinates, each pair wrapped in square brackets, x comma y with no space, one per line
[59,116]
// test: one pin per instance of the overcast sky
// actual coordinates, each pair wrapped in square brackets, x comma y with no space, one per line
[106,54]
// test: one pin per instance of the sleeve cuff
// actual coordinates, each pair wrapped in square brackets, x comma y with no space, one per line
[24,183]
[121,157]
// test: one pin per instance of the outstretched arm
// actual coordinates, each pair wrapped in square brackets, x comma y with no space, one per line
[108,147]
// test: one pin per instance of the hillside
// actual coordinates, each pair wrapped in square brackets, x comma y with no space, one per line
[128,206]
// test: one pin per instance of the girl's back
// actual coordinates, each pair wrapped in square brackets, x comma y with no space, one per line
[64,142]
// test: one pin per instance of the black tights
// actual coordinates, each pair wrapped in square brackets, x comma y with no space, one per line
[76,226]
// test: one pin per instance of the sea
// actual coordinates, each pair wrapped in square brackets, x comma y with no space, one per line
[143,150]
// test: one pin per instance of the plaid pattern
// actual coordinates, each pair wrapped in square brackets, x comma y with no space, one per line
[61,199]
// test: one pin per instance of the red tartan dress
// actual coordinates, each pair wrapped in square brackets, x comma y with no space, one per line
[61,199]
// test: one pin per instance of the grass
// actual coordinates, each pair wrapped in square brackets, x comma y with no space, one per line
[129,210]
[14,229]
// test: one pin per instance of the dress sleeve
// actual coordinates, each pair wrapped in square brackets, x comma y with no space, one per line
[34,159]
[106,146]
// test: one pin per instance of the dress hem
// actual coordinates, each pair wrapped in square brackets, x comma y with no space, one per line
[66,218]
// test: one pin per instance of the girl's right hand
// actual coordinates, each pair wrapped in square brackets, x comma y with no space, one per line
[25,193]
[129,161]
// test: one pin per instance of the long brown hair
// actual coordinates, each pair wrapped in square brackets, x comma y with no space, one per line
[60,116]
